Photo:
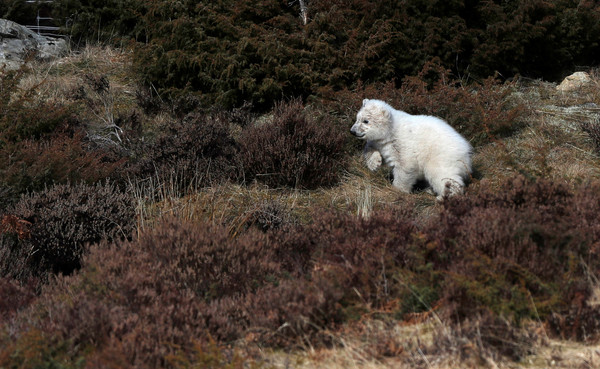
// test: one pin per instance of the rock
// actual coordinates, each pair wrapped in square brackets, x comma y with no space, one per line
[574,81]
[17,42]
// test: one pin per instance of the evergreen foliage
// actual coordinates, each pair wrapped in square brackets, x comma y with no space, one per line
[19,11]
[233,51]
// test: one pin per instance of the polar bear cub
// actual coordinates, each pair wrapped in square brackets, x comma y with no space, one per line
[415,147]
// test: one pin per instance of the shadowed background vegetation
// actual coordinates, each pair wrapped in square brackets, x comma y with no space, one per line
[233,51]
[186,193]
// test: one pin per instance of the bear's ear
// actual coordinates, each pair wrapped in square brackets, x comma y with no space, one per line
[365,101]
[386,113]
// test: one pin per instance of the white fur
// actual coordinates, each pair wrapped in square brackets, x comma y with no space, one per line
[415,147]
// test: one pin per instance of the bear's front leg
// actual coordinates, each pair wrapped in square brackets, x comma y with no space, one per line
[404,180]
[372,157]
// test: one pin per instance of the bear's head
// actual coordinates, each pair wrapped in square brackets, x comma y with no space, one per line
[372,121]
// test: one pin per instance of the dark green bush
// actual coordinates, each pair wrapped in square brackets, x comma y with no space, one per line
[235,51]
[64,220]
[19,11]
[100,20]
[293,149]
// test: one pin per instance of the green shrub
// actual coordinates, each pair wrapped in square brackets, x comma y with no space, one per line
[100,20]
[294,149]
[235,51]
[19,11]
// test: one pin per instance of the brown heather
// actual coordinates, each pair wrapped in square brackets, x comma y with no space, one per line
[520,255]
[193,152]
[42,143]
[61,223]
[293,149]
[14,297]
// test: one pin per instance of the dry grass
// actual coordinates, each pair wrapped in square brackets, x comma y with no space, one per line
[376,345]
[59,78]
[552,145]
[360,192]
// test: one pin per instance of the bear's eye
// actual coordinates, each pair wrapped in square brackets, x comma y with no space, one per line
[365,121]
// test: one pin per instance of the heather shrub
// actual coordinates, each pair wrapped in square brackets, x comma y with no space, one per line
[15,254]
[36,349]
[158,296]
[41,143]
[581,321]
[196,151]
[521,252]
[210,356]
[374,260]
[370,251]
[270,215]
[14,297]
[22,115]
[296,312]
[207,261]
[293,149]
[36,164]
[64,220]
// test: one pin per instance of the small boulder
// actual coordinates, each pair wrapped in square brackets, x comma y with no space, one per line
[17,42]
[574,82]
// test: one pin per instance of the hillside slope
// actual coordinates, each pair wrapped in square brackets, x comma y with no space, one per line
[212,260]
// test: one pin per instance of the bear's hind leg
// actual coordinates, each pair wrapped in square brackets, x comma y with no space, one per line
[447,185]
[404,180]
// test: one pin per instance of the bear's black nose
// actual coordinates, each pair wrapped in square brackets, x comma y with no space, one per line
[353,132]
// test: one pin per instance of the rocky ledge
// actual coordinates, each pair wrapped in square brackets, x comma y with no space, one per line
[17,43]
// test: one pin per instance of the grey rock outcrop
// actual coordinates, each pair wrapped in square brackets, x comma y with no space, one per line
[17,42]
[574,82]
